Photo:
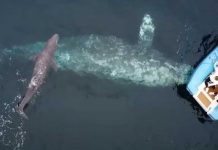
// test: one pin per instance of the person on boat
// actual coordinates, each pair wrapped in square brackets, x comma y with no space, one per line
[214,75]
[212,81]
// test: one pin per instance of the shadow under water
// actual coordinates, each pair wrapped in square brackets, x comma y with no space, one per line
[184,94]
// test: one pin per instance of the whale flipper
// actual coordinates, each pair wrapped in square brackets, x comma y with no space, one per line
[54,65]
[34,58]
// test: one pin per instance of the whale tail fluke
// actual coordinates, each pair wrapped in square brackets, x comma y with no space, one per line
[21,112]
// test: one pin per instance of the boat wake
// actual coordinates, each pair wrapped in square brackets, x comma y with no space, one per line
[112,58]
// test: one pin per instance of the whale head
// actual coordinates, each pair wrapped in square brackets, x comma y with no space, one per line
[52,43]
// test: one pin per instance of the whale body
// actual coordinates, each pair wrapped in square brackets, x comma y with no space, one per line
[43,61]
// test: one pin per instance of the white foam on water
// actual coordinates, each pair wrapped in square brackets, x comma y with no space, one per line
[12,133]
[146,31]
[111,57]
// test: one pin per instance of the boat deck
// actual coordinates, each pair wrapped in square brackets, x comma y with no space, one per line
[205,96]
[204,99]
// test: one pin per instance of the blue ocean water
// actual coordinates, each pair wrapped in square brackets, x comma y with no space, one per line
[123,66]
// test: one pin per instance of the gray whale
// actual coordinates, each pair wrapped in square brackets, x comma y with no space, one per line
[43,62]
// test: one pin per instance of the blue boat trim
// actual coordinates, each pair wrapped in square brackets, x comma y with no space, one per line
[200,74]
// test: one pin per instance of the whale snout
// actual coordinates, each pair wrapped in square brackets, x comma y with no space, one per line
[52,43]
[55,37]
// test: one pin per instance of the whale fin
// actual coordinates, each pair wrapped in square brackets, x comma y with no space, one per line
[54,65]
[34,58]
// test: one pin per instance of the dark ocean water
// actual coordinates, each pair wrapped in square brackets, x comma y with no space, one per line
[113,91]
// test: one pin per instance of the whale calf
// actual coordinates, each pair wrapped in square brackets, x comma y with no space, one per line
[43,62]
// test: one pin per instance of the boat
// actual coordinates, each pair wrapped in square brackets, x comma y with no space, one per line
[203,84]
